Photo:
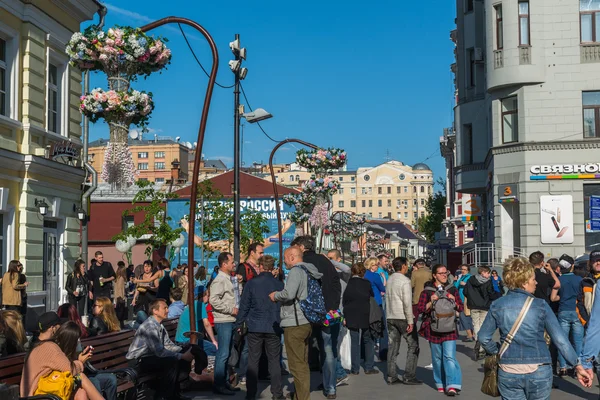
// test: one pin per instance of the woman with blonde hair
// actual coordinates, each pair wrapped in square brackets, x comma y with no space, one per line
[16,340]
[526,357]
[104,319]
[372,265]
[12,291]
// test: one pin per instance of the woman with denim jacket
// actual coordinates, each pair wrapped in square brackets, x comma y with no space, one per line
[525,370]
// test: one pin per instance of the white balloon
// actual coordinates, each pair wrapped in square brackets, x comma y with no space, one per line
[122,246]
[131,240]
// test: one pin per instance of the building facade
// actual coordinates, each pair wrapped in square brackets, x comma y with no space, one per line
[391,190]
[154,158]
[527,122]
[40,142]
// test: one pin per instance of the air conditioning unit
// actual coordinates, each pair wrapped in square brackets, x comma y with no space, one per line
[478,54]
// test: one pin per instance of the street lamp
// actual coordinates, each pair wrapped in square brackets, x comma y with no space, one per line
[238,113]
[42,206]
[81,214]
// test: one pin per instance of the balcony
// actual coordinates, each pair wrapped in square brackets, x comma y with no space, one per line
[524,55]
[470,178]
[498,59]
[590,53]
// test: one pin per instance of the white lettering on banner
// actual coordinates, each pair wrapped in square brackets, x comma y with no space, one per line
[589,168]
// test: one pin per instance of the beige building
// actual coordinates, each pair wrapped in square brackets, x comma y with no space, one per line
[153,158]
[391,190]
[40,143]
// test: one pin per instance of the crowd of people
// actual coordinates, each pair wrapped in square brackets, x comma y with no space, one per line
[546,314]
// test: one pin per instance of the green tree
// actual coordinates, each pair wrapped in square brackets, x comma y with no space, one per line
[151,203]
[436,212]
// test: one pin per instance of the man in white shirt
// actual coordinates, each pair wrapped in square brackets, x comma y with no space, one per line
[400,323]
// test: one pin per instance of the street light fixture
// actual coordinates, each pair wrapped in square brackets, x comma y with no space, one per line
[81,214]
[42,206]
[257,115]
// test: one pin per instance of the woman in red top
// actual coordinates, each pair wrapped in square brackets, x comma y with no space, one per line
[446,370]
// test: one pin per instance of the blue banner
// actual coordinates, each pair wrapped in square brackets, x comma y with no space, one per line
[594,202]
[178,209]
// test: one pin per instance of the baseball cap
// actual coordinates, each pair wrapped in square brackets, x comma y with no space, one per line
[594,256]
[566,261]
[49,319]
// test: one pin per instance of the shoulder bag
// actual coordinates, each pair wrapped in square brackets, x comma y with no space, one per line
[490,365]
[57,383]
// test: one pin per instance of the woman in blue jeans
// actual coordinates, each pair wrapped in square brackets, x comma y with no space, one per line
[525,369]
[356,301]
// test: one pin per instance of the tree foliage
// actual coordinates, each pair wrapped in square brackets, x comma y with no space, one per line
[436,212]
[151,203]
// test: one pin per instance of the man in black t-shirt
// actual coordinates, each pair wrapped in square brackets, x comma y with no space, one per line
[101,276]
[547,282]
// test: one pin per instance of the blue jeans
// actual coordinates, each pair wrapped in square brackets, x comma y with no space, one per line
[446,370]
[244,359]
[224,334]
[340,372]
[106,385]
[209,348]
[355,342]
[534,386]
[569,322]
[328,346]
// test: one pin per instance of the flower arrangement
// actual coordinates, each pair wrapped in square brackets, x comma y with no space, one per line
[374,244]
[321,159]
[319,216]
[119,51]
[118,166]
[131,106]
[322,186]
[302,203]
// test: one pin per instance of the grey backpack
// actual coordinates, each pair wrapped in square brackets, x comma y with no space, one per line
[443,312]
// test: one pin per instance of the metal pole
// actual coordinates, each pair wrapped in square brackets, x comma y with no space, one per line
[236,161]
[202,230]
[197,156]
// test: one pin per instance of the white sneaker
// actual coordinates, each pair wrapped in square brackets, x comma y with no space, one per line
[430,366]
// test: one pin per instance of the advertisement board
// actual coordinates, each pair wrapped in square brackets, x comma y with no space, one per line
[556,219]
[178,209]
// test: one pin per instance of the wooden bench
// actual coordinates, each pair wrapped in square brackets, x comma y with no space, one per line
[11,368]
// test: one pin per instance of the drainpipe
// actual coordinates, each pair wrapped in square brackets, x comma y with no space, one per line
[90,171]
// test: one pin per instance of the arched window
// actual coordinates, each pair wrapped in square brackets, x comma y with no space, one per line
[414,189]
[291,178]
[422,189]
[298,178]
[429,189]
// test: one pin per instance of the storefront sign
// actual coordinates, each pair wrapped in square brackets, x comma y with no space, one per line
[556,219]
[64,149]
[508,193]
[565,171]
[594,202]
[592,226]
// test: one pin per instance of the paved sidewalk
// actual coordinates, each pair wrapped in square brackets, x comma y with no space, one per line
[374,386]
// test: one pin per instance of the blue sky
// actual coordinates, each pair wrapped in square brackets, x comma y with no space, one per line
[370,77]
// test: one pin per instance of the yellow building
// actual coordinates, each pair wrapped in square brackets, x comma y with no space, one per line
[152,157]
[40,142]
[392,190]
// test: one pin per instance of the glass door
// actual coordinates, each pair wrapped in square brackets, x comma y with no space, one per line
[50,268]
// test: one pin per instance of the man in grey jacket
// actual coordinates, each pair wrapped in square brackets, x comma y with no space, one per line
[296,328]
[400,323]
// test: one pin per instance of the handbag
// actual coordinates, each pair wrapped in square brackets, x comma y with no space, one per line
[344,350]
[58,383]
[490,365]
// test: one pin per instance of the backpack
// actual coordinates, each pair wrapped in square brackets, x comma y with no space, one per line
[249,271]
[443,312]
[313,306]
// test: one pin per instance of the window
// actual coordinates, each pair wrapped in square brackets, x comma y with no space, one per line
[415,215]
[3,78]
[366,178]
[370,190]
[389,203]
[389,190]
[524,23]
[414,202]
[510,120]
[405,215]
[405,189]
[414,189]
[589,15]
[143,155]
[341,190]
[379,203]
[370,215]
[341,179]
[422,214]
[591,114]
[143,179]
[422,202]
[422,189]
[352,178]
[143,166]
[159,165]
[127,222]
[53,120]
[353,190]
[470,78]
[159,180]
[291,178]
[363,203]
[399,216]
[468,144]
[298,178]
[379,190]
[468,6]
[353,203]
[370,203]
[341,204]
[398,189]
[364,190]
[398,202]
[379,215]
[159,154]
[499,28]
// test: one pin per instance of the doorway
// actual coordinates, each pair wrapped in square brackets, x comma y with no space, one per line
[50,262]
